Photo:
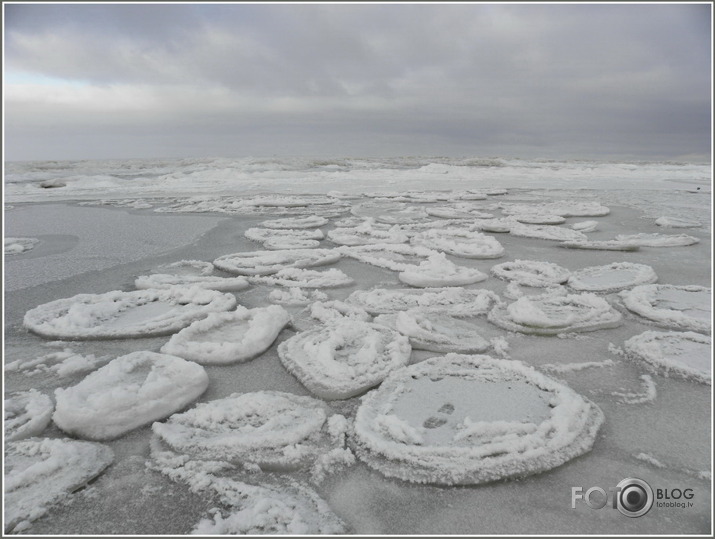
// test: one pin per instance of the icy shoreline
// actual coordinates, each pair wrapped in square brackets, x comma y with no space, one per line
[362,498]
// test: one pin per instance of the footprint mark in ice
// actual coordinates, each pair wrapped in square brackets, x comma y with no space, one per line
[434,422]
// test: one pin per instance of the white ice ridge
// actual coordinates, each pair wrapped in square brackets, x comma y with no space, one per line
[263,234]
[459,242]
[438,271]
[273,430]
[304,278]
[345,358]
[600,245]
[687,307]
[684,354]
[553,315]
[309,221]
[546,232]
[436,332]
[366,234]
[118,314]
[455,301]
[677,222]
[277,506]
[230,337]
[531,273]
[13,246]
[471,419]
[127,393]
[392,256]
[26,414]
[612,277]
[268,262]
[40,472]
[657,240]
[564,208]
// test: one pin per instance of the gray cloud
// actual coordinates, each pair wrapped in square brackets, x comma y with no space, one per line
[593,80]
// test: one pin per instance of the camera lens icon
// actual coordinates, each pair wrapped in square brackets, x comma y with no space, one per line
[635,497]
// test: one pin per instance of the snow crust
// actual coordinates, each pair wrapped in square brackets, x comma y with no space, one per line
[438,271]
[27,414]
[533,273]
[687,307]
[455,301]
[612,277]
[268,262]
[459,242]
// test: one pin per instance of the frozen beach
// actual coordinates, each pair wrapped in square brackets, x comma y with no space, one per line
[355,346]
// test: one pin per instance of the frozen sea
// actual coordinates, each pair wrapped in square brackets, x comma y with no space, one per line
[370,464]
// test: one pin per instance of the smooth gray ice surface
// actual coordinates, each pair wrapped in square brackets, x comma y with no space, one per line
[78,239]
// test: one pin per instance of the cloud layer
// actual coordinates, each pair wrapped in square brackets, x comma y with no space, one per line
[583,80]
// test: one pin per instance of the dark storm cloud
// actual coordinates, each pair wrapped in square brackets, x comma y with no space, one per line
[394,78]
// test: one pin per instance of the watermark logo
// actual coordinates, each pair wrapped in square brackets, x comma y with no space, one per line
[632,497]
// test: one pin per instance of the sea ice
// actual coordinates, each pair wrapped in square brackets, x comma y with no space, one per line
[687,307]
[40,472]
[296,296]
[600,245]
[539,218]
[459,242]
[129,392]
[437,271]
[612,277]
[305,278]
[13,246]
[268,262]
[281,243]
[677,222]
[365,234]
[120,314]
[167,280]
[230,337]
[585,226]
[454,301]
[471,419]
[61,364]
[273,430]
[564,208]
[393,213]
[392,256]
[343,359]
[435,332]
[683,353]
[546,232]
[552,315]
[657,240]
[531,273]
[309,221]
[263,234]
[27,414]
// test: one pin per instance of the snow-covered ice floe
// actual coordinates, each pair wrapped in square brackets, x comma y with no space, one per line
[657,240]
[190,273]
[230,337]
[40,472]
[564,208]
[392,256]
[471,419]
[309,221]
[127,393]
[585,226]
[455,301]
[344,359]
[14,246]
[263,234]
[612,277]
[552,315]
[365,234]
[296,296]
[305,278]
[531,273]
[459,242]
[118,314]
[437,271]
[61,364]
[273,430]
[687,307]
[435,332]
[268,262]
[281,243]
[600,245]
[539,218]
[393,213]
[546,232]
[677,222]
[458,211]
[27,414]
[682,353]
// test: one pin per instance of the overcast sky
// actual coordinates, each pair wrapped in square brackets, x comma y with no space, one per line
[583,80]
